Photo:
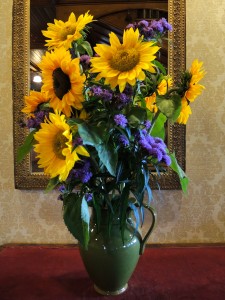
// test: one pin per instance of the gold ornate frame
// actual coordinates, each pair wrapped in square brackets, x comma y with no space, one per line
[24,178]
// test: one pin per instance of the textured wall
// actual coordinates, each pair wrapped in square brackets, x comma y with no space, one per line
[34,217]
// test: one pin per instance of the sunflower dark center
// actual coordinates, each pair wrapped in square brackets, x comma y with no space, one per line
[125,60]
[61,83]
[59,144]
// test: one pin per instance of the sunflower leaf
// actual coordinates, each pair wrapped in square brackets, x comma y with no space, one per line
[27,146]
[87,47]
[169,107]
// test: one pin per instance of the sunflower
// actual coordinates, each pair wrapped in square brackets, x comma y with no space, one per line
[124,63]
[194,88]
[62,34]
[33,101]
[162,89]
[62,80]
[54,147]
[185,112]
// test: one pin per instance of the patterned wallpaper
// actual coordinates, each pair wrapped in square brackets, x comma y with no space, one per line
[34,217]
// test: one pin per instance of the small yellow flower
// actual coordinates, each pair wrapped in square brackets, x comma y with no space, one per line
[162,89]
[185,112]
[151,103]
[62,81]
[33,101]
[124,63]
[54,147]
[62,34]
[163,86]
[197,73]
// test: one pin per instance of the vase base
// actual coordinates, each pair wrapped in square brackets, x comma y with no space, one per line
[111,293]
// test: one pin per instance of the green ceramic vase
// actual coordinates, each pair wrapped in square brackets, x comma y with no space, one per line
[109,261]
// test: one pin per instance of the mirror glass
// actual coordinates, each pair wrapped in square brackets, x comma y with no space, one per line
[30,17]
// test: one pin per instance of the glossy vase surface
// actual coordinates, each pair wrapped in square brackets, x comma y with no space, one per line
[108,260]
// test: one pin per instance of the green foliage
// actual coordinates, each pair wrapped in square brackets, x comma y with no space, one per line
[76,217]
[182,176]
[26,147]
[94,136]
[170,107]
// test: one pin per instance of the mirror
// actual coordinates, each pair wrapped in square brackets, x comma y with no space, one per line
[25,65]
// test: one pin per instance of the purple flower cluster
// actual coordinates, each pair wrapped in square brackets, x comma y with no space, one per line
[120,120]
[151,30]
[153,146]
[119,100]
[103,94]
[85,61]
[77,141]
[81,171]
[123,140]
[39,117]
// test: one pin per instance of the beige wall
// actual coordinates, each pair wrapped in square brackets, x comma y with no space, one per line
[34,217]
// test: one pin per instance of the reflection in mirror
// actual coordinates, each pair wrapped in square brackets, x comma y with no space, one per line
[113,17]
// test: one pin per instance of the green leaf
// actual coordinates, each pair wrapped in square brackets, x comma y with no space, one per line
[169,107]
[106,151]
[182,176]
[136,116]
[76,218]
[159,66]
[27,146]
[87,47]
[53,182]
[158,128]
[90,136]
[109,157]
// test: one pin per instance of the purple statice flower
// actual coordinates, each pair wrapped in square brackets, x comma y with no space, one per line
[147,124]
[120,120]
[96,90]
[143,23]
[85,59]
[88,197]
[166,25]
[106,95]
[61,189]
[153,146]
[122,100]
[123,140]
[166,159]
[157,25]
[130,26]
[39,117]
[81,171]
[77,141]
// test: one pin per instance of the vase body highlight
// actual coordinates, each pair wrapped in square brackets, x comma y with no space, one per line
[109,260]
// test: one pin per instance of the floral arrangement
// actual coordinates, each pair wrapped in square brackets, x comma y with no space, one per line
[97,125]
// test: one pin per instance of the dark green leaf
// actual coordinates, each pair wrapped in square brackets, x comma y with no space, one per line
[136,116]
[75,218]
[90,136]
[27,146]
[109,157]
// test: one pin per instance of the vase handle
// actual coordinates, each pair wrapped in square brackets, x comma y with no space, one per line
[144,240]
